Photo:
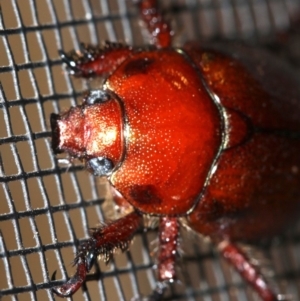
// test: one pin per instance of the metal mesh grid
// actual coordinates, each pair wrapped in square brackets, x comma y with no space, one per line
[46,209]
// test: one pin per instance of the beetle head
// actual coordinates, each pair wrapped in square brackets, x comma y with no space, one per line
[91,131]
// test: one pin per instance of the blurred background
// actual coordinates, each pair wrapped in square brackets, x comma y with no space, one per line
[46,208]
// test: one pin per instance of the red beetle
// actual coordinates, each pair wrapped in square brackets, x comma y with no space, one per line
[209,133]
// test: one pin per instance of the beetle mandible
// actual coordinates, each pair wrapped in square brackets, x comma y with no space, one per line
[209,133]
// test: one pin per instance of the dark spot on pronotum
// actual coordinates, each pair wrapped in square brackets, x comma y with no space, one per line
[138,66]
[145,194]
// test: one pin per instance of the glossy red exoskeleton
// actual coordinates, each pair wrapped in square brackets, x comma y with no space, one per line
[206,133]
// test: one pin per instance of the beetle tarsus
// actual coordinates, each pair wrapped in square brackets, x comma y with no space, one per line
[103,242]
[74,283]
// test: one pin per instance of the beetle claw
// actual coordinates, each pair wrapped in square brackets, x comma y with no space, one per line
[156,294]
[53,277]
[73,284]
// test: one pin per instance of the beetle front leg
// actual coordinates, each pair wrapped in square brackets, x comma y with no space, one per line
[166,260]
[168,244]
[92,61]
[103,242]
[167,253]
[240,261]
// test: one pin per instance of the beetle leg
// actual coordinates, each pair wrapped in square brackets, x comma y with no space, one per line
[240,261]
[94,60]
[168,243]
[103,242]
[159,29]
[166,261]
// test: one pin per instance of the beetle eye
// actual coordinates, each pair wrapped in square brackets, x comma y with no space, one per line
[100,166]
[96,96]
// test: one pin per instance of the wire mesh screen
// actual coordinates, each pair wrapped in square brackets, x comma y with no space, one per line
[46,209]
